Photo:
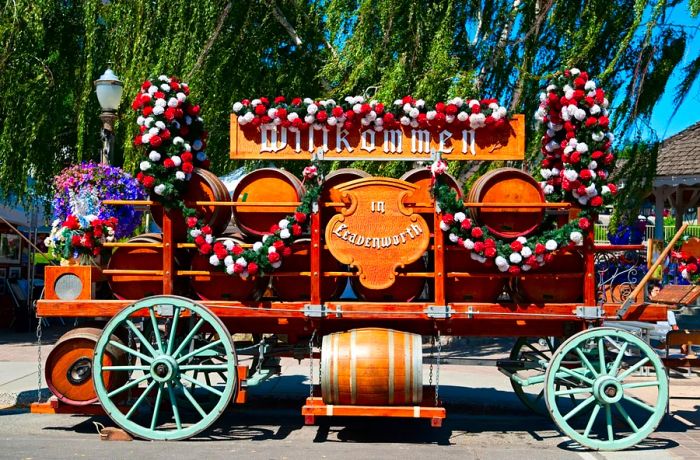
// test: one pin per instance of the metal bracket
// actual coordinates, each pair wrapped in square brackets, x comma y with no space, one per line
[622,311]
[594,312]
[439,311]
[164,310]
[315,311]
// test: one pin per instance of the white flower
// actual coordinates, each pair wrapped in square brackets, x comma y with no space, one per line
[598,136]
[146,138]
[521,240]
[140,120]
[595,110]
[161,102]
[462,116]
[569,94]
[357,108]
[182,97]
[152,90]
[159,189]
[570,174]
[154,156]
[450,118]
[430,115]
[179,175]
[577,238]
[543,97]
[474,102]
[525,267]
[229,245]
[548,189]
[604,190]
[228,260]
[551,88]
[229,270]
[312,109]
[214,260]
[515,258]
[195,233]
[158,110]
[209,239]
[255,102]
[176,160]
[407,107]
[308,100]
[271,112]
[580,114]
[163,78]
[590,85]
[685,274]
[242,262]
[583,200]
[405,121]
[153,131]
[173,102]
[574,71]
[358,100]
[453,237]
[551,245]
[292,116]
[284,234]
[365,122]
[257,246]
[271,249]
[526,252]
[582,147]
[421,103]
[413,113]
[145,165]
[477,120]
[249,117]
[277,264]
[309,119]
[593,165]
[460,216]
[468,244]
[444,226]
[284,223]
[545,173]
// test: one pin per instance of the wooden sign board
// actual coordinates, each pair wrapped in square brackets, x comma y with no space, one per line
[270,142]
[377,233]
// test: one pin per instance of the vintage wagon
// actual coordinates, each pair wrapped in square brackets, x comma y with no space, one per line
[165,365]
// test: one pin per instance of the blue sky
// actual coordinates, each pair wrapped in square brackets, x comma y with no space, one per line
[689,112]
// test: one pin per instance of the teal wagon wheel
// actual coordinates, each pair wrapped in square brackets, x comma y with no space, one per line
[620,405]
[181,371]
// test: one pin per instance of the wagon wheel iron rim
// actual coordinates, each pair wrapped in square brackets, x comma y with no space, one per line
[528,384]
[619,409]
[180,385]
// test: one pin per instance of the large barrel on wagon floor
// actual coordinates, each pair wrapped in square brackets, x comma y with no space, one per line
[68,368]
[507,185]
[372,367]
[265,185]
[203,186]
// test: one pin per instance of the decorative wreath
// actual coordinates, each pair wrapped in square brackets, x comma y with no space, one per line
[577,163]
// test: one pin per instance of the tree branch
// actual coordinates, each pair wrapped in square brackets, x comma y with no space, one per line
[205,51]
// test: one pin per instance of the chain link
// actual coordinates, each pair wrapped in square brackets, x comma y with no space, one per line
[38,359]
[311,364]
[430,372]
[131,345]
[437,369]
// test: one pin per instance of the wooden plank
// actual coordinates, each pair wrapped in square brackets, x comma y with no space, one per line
[678,294]
[405,143]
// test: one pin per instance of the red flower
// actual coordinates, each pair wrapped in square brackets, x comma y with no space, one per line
[136,104]
[451,109]
[466,224]
[71,222]
[138,141]
[238,268]
[205,248]
[279,244]
[479,247]
[575,157]
[296,229]
[448,218]
[146,84]
[609,158]
[186,157]
[388,118]
[156,141]
[281,113]
[347,125]
[692,267]
[75,240]
[584,224]
[477,232]
[273,257]
[549,257]
[148,181]
[440,107]
[237,250]
[286,251]
[490,252]
[476,108]
[408,100]
[159,94]
[274,229]
[260,109]
[187,168]
[199,240]
[596,201]
[252,268]
[591,121]
[279,100]
[147,110]
[540,249]
[321,116]
[337,111]
[300,217]
[379,108]
[168,163]
[613,188]
[597,155]
[532,261]
[193,110]
[516,246]
[365,109]
[604,121]
[206,230]
[174,85]
[490,243]
[514,269]
[265,119]
[165,134]
[296,101]
[585,174]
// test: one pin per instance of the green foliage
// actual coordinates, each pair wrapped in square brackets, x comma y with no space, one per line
[638,173]
[51,52]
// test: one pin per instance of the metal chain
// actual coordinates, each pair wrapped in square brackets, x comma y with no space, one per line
[437,369]
[430,372]
[38,359]
[130,357]
[311,364]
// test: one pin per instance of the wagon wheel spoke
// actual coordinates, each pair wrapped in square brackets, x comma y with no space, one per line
[607,390]
[165,371]
[586,362]
[131,351]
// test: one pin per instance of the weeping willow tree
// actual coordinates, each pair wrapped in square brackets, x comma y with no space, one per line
[52,51]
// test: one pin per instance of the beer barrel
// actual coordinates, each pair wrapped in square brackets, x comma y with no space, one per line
[265,185]
[423,178]
[329,194]
[559,286]
[372,367]
[404,289]
[507,185]
[467,288]
[134,287]
[223,287]
[202,186]
[298,287]
[68,369]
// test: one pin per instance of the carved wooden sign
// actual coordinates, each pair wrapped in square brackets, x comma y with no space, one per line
[376,233]
[272,142]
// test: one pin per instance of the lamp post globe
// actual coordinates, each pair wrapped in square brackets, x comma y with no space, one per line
[109,91]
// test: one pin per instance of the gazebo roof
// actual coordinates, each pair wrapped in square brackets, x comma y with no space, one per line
[679,155]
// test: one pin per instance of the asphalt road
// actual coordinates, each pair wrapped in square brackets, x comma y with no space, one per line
[278,433]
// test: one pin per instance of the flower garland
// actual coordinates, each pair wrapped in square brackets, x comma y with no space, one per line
[688,264]
[577,141]
[267,254]
[173,137]
[576,165]
[356,111]
[80,237]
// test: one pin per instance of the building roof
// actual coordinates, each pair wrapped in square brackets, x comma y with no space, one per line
[679,155]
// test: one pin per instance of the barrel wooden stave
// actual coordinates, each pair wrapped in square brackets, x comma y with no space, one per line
[423,178]
[299,287]
[555,289]
[135,287]
[73,352]
[507,185]
[404,289]
[202,186]
[382,365]
[471,289]
[215,287]
[329,192]
[265,185]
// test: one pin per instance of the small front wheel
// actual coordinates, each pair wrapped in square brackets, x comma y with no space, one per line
[181,373]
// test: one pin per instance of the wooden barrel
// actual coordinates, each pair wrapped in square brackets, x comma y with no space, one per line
[467,288]
[372,366]
[68,369]
[135,287]
[560,285]
[202,186]
[298,287]
[507,185]
[404,289]
[220,286]
[329,194]
[423,178]
[265,185]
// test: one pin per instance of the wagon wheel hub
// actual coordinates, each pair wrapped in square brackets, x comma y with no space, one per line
[607,390]
[164,369]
